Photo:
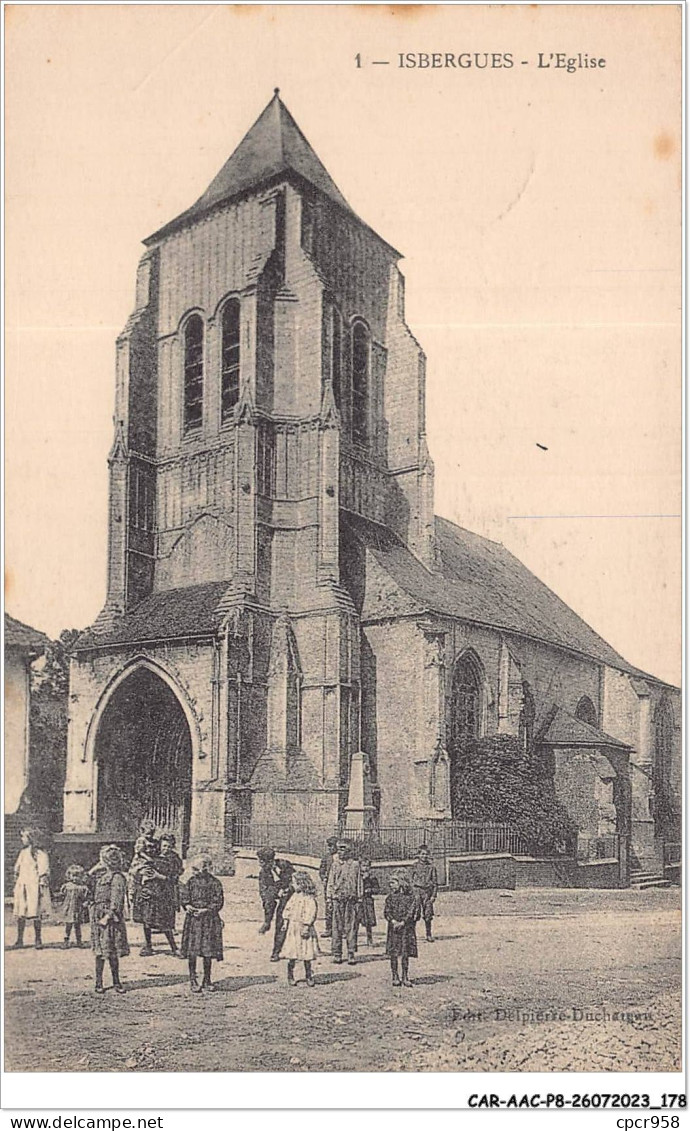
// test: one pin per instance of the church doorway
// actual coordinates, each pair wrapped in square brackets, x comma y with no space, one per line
[143,754]
[465,717]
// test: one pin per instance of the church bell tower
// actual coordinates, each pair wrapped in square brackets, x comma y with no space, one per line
[269,408]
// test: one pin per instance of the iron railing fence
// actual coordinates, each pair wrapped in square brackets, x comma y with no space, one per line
[605,847]
[401,842]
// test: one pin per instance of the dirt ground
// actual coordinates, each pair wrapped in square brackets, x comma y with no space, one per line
[525,980]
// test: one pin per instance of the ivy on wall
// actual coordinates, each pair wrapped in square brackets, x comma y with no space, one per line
[494,779]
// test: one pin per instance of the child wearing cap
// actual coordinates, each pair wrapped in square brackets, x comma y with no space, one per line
[424,882]
[345,890]
[108,930]
[324,872]
[268,886]
[367,910]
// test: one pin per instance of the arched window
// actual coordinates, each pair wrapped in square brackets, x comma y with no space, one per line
[664,807]
[360,383]
[193,374]
[527,717]
[586,712]
[336,356]
[466,703]
[230,360]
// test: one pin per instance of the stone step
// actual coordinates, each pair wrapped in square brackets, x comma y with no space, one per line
[659,882]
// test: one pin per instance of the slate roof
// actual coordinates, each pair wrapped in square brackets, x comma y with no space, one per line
[169,615]
[480,581]
[23,637]
[274,146]
[565,730]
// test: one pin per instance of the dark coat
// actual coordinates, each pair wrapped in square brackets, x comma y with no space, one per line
[268,882]
[325,866]
[202,934]
[108,930]
[168,891]
[285,886]
[367,913]
[401,942]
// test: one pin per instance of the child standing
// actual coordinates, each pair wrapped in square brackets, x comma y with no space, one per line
[268,886]
[400,909]
[74,894]
[300,938]
[367,912]
[424,882]
[147,884]
[169,863]
[108,930]
[202,934]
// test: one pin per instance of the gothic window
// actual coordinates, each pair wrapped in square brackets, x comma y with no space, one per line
[664,809]
[293,701]
[230,360]
[141,499]
[336,356]
[466,703]
[193,374]
[527,717]
[360,383]
[280,232]
[308,225]
[586,712]
[265,462]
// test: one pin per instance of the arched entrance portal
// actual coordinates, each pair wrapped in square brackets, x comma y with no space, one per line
[143,753]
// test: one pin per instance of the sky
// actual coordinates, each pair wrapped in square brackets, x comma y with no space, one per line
[538,211]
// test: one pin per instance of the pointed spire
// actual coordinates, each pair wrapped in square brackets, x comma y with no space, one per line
[244,412]
[274,146]
[118,452]
[329,416]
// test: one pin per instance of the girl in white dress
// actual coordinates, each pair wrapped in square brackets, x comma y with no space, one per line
[300,941]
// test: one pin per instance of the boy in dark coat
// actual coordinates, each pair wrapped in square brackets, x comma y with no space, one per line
[169,864]
[202,934]
[285,871]
[268,886]
[424,882]
[400,909]
[367,910]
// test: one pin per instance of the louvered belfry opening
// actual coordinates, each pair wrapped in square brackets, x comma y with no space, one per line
[144,760]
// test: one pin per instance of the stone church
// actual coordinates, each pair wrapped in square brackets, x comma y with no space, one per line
[290,634]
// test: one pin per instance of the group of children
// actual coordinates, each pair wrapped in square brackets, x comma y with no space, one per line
[151,890]
[349,889]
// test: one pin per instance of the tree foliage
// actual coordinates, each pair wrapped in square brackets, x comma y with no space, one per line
[48,732]
[495,780]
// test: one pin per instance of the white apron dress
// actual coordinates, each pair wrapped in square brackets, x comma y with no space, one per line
[31,889]
[300,911]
